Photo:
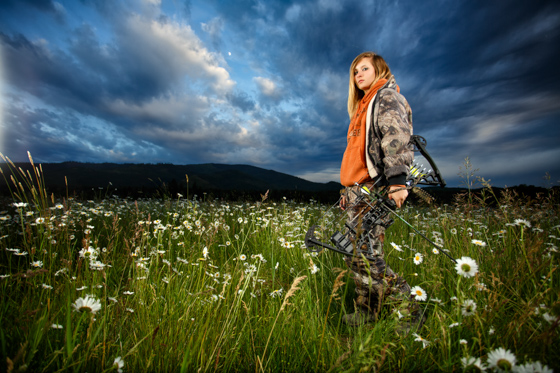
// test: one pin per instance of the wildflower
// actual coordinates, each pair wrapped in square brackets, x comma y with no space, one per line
[435,251]
[37,264]
[56,326]
[549,317]
[130,310]
[454,325]
[396,247]
[119,363]
[87,304]
[128,292]
[471,361]
[466,267]
[469,307]
[479,243]
[205,252]
[523,222]
[436,300]
[418,258]
[425,342]
[40,220]
[463,341]
[533,367]
[501,360]
[419,293]
[242,257]
[45,286]
[491,331]
[453,231]
[314,269]
[97,265]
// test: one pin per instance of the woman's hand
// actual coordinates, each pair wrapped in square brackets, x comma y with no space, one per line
[399,196]
[343,202]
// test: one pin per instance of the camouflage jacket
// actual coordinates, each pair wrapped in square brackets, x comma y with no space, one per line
[388,153]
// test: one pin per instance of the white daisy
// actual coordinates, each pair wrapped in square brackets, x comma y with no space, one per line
[548,317]
[479,243]
[471,361]
[522,222]
[466,267]
[419,293]
[501,360]
[469,307]
[425,342]
[534,367]
[119,363]
[87,304]
[418,258]
[396,247]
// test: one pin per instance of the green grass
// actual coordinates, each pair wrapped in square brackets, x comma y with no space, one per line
[189,285]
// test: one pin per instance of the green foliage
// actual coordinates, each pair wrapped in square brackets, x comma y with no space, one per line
[228,286]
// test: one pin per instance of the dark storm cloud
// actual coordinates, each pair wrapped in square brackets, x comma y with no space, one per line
[241,100]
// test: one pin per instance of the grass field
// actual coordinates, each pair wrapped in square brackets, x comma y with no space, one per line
[188,285]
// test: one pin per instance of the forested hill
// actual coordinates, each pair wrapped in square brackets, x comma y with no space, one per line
[201,176]
[219,180]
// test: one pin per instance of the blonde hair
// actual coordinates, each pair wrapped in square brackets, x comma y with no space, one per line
[382,71]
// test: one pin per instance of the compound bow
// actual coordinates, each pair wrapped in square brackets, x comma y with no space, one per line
[378,209]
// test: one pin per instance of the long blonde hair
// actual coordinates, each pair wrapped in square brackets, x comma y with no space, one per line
[382,71]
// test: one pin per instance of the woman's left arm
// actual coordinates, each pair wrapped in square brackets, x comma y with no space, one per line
[395,125]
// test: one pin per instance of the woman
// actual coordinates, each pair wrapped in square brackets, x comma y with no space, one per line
[378,156]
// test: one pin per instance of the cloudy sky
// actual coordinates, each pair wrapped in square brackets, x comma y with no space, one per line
[265,82]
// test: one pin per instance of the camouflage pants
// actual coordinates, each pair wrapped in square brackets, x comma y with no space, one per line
[376,283]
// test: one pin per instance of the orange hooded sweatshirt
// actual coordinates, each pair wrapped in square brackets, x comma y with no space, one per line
[354,167]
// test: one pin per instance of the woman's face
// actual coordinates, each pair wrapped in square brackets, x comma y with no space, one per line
[364,74]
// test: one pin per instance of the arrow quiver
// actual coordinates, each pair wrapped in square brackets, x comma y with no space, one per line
[376,211]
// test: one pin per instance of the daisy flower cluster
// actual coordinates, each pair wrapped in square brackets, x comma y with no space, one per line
[503,360]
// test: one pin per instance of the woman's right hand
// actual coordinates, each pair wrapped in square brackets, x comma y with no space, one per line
[343,202]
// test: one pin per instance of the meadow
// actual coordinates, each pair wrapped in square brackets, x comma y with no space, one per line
[187,283]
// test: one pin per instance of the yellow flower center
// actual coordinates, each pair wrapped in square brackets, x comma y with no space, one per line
[504,364]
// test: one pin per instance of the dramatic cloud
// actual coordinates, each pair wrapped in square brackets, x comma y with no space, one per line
[265,83]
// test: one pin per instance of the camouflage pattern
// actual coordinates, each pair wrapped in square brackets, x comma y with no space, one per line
[388,149]
[390,133]
[376,283]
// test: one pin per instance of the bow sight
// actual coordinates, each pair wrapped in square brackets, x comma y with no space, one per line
[375,211]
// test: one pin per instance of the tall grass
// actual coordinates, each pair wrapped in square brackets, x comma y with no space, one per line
[190,285]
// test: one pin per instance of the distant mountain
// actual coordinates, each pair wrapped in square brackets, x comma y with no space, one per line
[208,176]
